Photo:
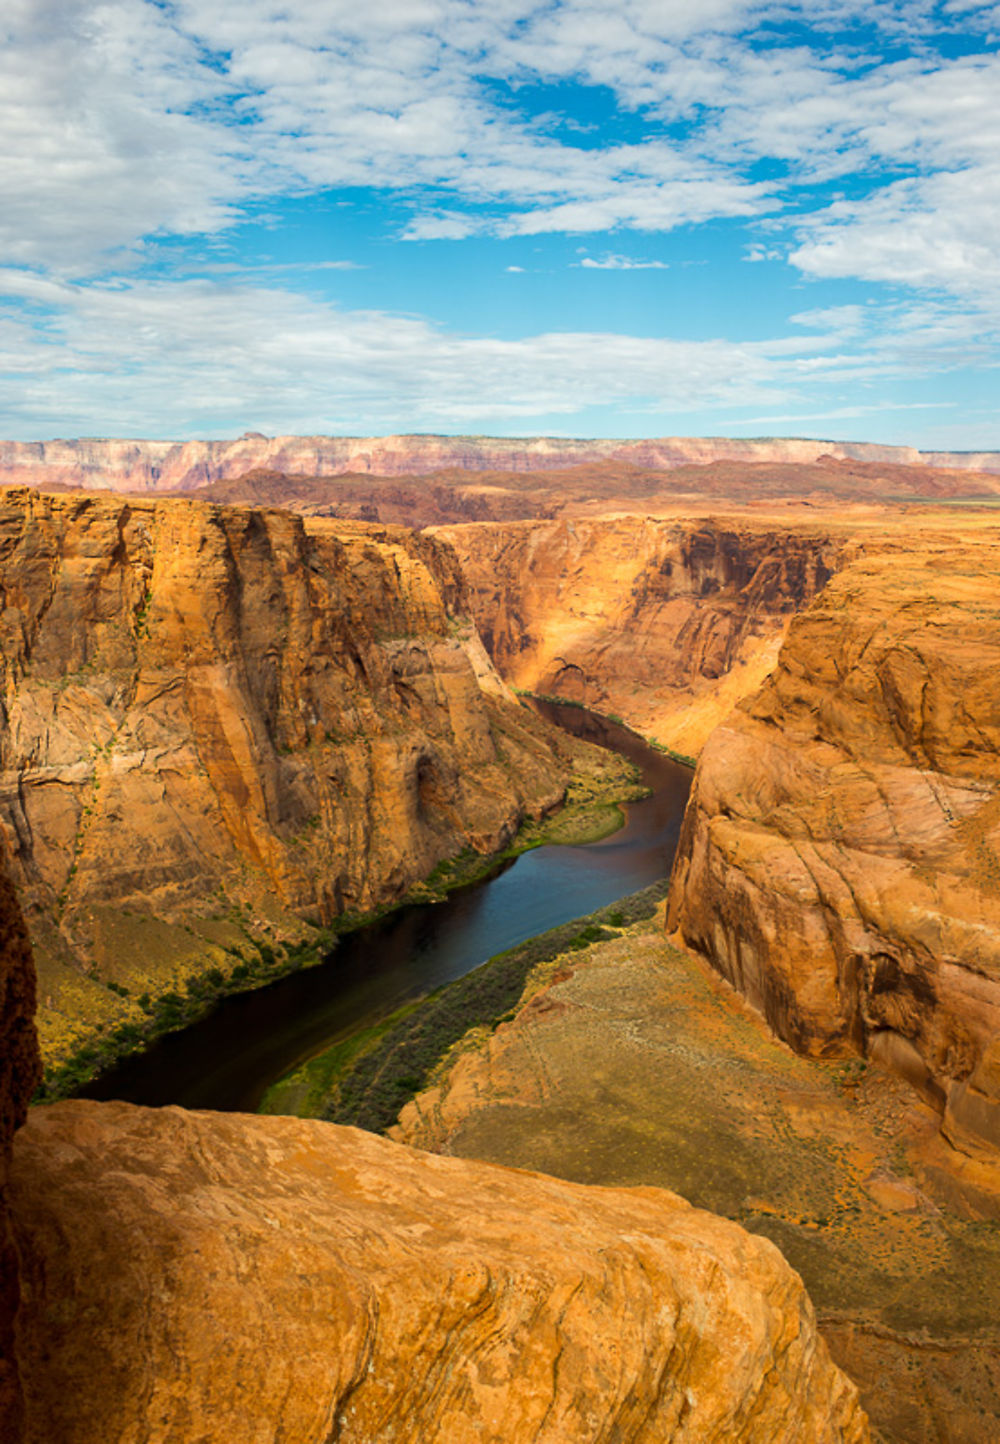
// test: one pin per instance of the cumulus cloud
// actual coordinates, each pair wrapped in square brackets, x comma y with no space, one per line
[124,119]
[124,123]
[935,233]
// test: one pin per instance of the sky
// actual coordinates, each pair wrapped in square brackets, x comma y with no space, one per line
[506,217]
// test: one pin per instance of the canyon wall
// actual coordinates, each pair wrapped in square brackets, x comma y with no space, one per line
[666,624]
[220,722]
[841,850]
[136,465]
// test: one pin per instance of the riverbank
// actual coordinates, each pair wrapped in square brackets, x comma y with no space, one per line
[553,700]
[365,1079]
[242,961]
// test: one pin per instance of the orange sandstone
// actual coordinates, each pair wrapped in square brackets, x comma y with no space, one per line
[201,1277]
[841,851]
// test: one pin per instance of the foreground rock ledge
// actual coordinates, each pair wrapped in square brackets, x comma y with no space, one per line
[192,1276]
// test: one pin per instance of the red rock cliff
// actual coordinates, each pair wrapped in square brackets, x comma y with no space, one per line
[841,850]
[190,1277]
[20,1070]
[666,624]
[199,1277]
[209,709]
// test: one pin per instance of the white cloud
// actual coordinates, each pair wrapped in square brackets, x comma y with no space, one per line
[123,122]
[126,119]
[620,263]
[196,354]
[200,357]
[935,233]
[836,320]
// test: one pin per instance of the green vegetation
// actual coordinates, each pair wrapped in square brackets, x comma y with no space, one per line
[670,752]
[591,813]
[305,1091]
[366,1079]
[257,965]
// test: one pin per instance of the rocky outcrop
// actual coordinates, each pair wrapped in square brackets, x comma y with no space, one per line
[219,720]
[665,624]
[192,1276]
[841,850]
[124,465]
[632,1063]
[20,1070]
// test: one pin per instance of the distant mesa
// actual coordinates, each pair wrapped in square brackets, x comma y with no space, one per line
[144,465]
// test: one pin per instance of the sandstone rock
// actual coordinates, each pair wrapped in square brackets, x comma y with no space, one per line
[841,850]
[135,465]
[666,624]
[199,1277]
[20,1070]
[209,708]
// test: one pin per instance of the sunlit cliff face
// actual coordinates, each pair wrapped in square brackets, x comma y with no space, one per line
[840,850]
[221,722]
[666,624]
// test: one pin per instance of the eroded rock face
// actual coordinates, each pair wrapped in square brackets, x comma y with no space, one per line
[190,1276]
[209,708]
[20,1070]
[841,851]
[666,624]
[127,465]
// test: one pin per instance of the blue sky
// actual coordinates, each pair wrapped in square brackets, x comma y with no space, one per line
[580,217]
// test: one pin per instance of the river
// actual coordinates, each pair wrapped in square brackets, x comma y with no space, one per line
[230,1058]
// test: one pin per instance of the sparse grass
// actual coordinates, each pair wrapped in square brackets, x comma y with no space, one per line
[672,753]
[368,1086]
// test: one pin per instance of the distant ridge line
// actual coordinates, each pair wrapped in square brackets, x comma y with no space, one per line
[135,465]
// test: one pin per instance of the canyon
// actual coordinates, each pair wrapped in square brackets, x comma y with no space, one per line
[170,1275]
[225,729]
[632,1062]
[840,852]
[664,623]
[228,725]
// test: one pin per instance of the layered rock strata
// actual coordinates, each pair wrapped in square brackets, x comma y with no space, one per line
[139,465]
[221,719]
[841,850]
[666,624]
[191,1276]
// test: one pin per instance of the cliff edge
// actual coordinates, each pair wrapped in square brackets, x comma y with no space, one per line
[666,624]
[193,1276]
[841,849]
[20,1070]
[225,727]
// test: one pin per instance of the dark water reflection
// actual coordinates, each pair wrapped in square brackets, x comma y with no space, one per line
[229,1059]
